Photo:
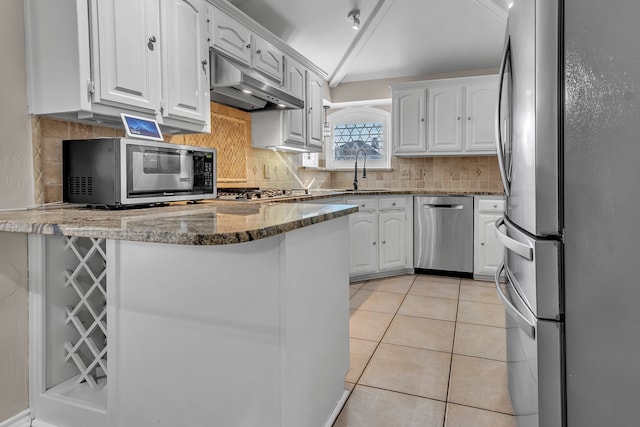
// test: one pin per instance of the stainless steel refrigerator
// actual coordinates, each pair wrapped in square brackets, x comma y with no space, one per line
[568,126]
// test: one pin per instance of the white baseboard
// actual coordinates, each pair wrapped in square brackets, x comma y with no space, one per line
[23,419]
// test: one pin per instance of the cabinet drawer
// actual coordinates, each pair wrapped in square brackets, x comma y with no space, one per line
[365,205]
[393,203]
[491,205]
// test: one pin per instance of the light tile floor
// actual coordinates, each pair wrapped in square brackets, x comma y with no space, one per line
[426,351]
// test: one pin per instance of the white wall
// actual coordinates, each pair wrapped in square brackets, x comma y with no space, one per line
[16,190]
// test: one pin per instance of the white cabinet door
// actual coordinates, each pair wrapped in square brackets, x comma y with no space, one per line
[480,110]
[391,237]
[488,252]
[126,53]
[231,37]
[409,109]
[313,103]
[267,59]
[186,78]
[363,228]
[295,121]
[445,112]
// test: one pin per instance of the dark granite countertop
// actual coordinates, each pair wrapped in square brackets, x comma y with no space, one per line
[215,222]
[210,223]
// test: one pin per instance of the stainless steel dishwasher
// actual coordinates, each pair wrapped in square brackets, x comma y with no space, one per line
[443,233]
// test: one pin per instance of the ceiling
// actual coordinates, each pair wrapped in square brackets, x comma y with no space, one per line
[397,38]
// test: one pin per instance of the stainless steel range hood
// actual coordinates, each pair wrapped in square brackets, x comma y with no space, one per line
[232,85]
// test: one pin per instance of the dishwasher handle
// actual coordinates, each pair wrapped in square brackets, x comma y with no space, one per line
[442,206]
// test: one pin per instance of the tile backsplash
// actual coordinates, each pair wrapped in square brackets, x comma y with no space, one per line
[266,168]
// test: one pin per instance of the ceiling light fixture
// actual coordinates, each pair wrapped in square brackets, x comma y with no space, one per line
[354,18]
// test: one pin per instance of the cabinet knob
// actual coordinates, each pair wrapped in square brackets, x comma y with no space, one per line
[393,204]
[469,118]
[384,241]
[458,118]
[422,119]
[151,42]
[248,46]
[374,243]
[259,51]
[482,244]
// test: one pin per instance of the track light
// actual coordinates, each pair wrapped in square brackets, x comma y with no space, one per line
[354,18]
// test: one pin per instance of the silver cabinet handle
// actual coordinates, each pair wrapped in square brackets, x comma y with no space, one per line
[150,43]
[501,165]
[525,251]
[523,322]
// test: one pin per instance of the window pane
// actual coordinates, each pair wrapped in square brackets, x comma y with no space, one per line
[349,138]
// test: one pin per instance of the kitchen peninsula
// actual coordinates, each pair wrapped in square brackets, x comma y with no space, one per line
[219,313]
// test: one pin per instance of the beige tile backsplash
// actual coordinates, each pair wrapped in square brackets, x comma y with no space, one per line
[266,168]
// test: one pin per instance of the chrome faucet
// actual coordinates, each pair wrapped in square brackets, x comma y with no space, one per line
[355,169]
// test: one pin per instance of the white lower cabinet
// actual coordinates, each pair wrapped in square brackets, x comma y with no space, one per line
[381,236]
[488,252]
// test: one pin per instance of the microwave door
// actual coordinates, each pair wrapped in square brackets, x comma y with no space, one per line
[156,171]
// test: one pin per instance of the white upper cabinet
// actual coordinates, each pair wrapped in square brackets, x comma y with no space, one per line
[231,37]
[445,119]
[235,40]
[89,61]
[295,121]
[409,111]
[460,115]
[480,106]
[293,129]
[315,111]
[186,54]
[267,59]
[127,53]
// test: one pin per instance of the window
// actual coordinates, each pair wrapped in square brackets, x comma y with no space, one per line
[354,129]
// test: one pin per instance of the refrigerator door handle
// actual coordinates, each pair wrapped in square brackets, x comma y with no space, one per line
[525,251]
[499,144]
[525,325]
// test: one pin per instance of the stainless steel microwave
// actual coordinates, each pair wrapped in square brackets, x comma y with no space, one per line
[122,172]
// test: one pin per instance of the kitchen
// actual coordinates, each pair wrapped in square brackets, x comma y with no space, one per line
[21,191]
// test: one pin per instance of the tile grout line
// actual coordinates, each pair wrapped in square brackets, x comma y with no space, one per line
[385,331]
[456,322]
[453,342]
